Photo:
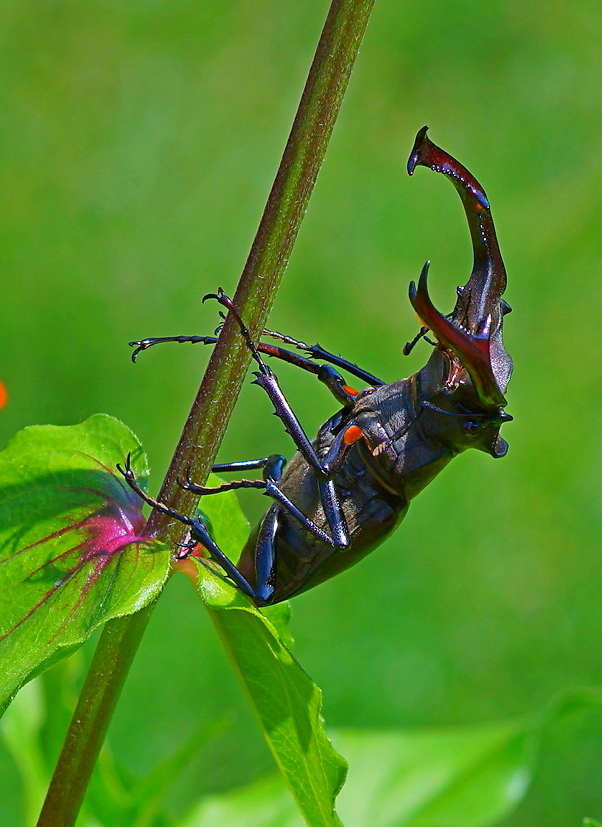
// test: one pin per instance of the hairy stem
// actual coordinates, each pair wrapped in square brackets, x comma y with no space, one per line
[206,424]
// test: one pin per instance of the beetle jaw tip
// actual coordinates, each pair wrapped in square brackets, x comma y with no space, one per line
[499,448]
[415,158]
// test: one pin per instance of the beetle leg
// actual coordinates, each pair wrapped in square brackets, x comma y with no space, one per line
[332,510]
[197,529]
[267,379]
[265,556]
[144,344]
[334,514]
[335,383]
[270,488]
[329,497]
[324,467]
[200,533]
[272,466]
[241,465]
[130,479]
[326,374]
[334,461]
[318,352]
[265,553]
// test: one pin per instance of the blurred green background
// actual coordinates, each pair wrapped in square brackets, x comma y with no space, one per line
[138,143]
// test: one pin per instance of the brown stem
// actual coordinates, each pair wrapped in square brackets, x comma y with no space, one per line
[205,426]
[271,249]
[110,665]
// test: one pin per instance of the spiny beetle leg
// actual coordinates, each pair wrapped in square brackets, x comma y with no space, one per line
[240,465]
[227,302]
[200,533]
[332,510]
[318,352]
[265,556]
[267,379]
[334,514]
[269,382]
[273,468]
[144,344]
[188,485]
[130,479]
[197,529]
[331,378]
[270,350]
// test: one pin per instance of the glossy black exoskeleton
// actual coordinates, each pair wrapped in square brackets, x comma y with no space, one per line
[345,491]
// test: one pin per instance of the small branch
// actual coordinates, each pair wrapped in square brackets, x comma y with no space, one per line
[206,424]
[110,665]
[271,249]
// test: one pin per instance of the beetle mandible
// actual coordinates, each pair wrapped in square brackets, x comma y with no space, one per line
[344,492]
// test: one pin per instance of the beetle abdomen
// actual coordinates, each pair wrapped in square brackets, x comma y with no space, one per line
[301,559]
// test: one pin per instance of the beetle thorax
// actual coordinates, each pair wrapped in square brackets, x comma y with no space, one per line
[395,449]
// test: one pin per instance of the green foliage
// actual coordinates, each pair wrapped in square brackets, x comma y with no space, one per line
[435,777]
[20,730]
[138,144]
[71,554]
[115,798]
[65,509]
[75,556]
[286,701]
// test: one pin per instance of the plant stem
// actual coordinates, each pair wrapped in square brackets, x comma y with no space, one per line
[211,410]
[112,659]
[271,249]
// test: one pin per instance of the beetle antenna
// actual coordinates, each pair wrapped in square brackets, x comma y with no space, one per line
[409,346]
[473,415]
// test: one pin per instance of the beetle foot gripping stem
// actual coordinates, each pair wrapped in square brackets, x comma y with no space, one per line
[227,302]
[130,479]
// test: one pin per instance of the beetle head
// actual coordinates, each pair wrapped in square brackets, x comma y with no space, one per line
[465,380]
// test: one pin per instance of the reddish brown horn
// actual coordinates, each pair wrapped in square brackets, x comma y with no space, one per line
[473,350]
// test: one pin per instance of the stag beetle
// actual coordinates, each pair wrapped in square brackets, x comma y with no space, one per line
[345,491]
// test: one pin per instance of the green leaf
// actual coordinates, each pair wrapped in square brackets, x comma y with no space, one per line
[280,617]
[454,776]
[265,803]
[149,793]
[285,699]
[115,798]
[437,777]
[24,733]
[465,777]
[71,551]
[589,822]
[20,732]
